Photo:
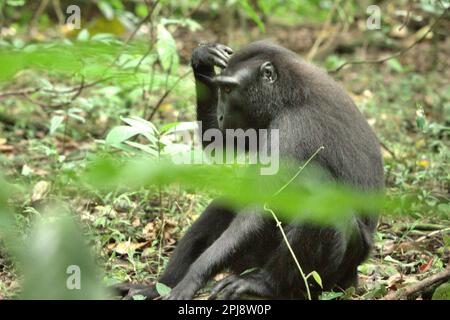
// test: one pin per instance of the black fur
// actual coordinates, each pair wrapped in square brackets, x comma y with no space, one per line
[267,86]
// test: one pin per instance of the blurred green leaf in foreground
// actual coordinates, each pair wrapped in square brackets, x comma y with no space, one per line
[57,263]
[308,198]
[54,260]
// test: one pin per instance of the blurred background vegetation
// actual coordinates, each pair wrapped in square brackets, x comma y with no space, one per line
[118,85]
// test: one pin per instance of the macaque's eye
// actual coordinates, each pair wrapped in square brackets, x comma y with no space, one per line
[226,89]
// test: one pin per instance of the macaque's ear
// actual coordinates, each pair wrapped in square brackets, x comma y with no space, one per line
[268,72]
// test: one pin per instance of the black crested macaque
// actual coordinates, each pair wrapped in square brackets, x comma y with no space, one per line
[267,86]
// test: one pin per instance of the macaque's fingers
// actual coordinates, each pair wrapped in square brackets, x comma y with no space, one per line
[221,285]
[216,52]
[128,290]
[228,50]
[219,62]
[123,288]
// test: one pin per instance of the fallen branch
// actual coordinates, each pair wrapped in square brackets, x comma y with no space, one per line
[405,292]
[19,92]
[432,234]
[397,54]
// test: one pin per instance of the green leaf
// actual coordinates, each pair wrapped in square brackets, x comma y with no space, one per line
[141,124]
[349,292]
[146,128]
[394,64]
[442,292]
[83,35]
[69,263]
[162,289]
[333,62]
[106,9]
[103,37]
[248,271]
[330,295]
[420,118]
[55,123]
[120,134]
[143,147]
[15,3]
[141,10]
[248,9]
[179,127]
[189,23]
[167,49]
[139,297]
[77,117]
[317,278]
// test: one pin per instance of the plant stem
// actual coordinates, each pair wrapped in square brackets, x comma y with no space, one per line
[266,208]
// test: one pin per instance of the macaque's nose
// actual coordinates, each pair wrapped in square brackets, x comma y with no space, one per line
[220,121]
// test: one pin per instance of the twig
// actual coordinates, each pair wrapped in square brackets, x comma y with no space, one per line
[399,53]
[166,93]
[145,55]
[59,105]
[147,18]
[58,11]
[385,147]
[299,171]
[150,89]
[26,93]
[419,286]
[42,5]
[2,20]
[407,18]
[433,233]
[194,10]
[323,33]
[66,111]
[19,92]
[278,222]
[56,92]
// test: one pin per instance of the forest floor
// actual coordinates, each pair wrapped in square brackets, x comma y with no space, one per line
[126,229]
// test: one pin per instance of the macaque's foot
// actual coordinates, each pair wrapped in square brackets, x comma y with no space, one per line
[234,287]
[185,290]
[128,290]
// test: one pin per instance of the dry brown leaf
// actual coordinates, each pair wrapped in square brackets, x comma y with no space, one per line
[6,148]
[167,235]
[406,246]
[387,247]
[170,223]
[136,222]
[424,267]
[125,246]
[40,191]
[149,228]
[394,281]
[148,252]
[399,32]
